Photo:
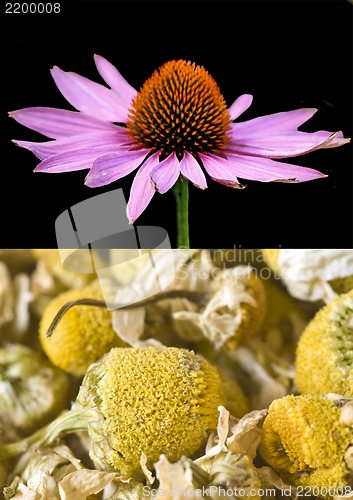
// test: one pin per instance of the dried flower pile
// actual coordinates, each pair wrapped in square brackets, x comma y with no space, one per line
[233,381]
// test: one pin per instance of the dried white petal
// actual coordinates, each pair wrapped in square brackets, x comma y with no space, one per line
[129,326]
[222,316]
[306,273]
[245,434]
[146,472]
[346,415]
[82,483]
[175,480]
[222,434]
[25,493]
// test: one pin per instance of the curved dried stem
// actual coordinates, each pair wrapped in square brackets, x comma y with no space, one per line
[198,297]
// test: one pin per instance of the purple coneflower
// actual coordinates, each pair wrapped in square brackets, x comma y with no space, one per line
[175,127]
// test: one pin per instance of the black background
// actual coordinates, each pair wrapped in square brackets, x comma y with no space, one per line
[287,54]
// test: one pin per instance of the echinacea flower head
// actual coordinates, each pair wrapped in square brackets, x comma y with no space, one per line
[177,124]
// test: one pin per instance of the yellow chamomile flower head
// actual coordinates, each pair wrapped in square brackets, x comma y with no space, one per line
[83,334]
[324,354]
[305,443]
[32,391]
[235,311]
[135,401]
[312,275]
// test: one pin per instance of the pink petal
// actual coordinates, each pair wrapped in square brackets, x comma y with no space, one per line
[240,105]
[110,167]
[266,170]
[284,122]
[166,173]
[56,123]
[191,170]
[142,189]
[72,160]
[220,170]
[114,79]
[90,97]
[284,145]
[43,150]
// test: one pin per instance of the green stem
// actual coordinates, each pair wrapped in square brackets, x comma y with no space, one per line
[66,423]
[181,193]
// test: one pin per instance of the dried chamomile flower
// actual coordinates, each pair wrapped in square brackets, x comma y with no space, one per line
[32,391]
[305,443]
[236,310]
[324,355]
[312,275]
[148,401]
[82,336]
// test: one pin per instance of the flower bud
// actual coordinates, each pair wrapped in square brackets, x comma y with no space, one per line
[32,391]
